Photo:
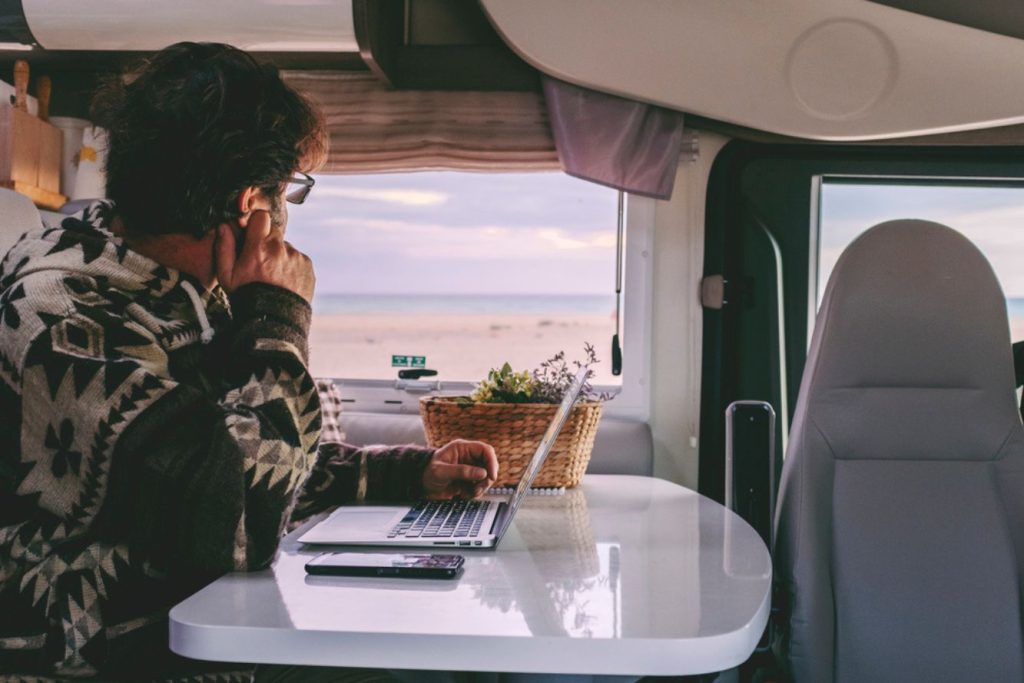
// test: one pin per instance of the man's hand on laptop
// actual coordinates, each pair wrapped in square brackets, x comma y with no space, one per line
[460,469]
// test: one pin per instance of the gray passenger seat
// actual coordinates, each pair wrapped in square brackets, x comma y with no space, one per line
[900,530]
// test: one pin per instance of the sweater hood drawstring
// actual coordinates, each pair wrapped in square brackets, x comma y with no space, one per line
[207,334]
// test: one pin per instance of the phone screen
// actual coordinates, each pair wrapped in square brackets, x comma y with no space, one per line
[422,565]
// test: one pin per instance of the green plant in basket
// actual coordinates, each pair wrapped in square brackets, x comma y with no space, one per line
[512,410]
[546,384]
[505,386]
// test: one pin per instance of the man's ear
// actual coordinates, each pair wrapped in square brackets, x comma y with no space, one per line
[246,205]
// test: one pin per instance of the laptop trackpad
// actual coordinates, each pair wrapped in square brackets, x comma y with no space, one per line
[356,522]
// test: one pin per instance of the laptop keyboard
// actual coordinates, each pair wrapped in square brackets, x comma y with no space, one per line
[442,519]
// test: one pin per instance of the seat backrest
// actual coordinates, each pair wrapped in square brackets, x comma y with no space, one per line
[18,215]
[900,525]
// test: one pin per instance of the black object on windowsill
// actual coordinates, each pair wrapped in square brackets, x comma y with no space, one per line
[616,356]
[1018,362]
[418,373]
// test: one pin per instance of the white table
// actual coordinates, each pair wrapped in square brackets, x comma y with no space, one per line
[624,575]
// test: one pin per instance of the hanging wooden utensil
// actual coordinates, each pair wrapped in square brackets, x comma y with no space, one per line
[21,85]
[44,89]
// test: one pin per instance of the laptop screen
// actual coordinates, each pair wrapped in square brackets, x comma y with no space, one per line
[541,454]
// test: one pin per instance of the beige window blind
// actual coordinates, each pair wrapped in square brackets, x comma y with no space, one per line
[375,129]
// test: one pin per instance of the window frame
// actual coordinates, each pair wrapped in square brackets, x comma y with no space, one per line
[631,399]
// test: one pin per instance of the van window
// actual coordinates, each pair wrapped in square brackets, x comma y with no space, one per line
[990,215]
[457,272]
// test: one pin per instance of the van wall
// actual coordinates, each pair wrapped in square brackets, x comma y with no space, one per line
[677,324]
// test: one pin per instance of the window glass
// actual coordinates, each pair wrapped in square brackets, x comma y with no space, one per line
[991,216]
[466,270]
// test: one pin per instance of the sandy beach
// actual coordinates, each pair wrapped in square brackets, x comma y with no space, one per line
[458,346]
[463,346]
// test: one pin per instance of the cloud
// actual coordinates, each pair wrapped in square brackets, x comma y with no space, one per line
[509,200]
[420,241]
[458,232]
[389,196]
[557,239]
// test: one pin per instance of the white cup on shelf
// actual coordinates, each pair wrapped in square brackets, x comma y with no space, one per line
[91,180]
[73,129]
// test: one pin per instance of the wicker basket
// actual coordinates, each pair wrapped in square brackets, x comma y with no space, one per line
[515,430]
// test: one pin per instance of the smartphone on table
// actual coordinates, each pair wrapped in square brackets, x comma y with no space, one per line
[417,565]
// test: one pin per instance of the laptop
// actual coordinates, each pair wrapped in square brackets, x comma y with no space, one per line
[446,523]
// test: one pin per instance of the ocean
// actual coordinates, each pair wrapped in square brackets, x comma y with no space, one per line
[1015,309]
[503,303]
[464,303]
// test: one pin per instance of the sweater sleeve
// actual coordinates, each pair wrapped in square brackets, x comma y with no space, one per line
[196,479]
[392,473]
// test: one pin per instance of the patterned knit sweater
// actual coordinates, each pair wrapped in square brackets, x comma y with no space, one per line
[138,461]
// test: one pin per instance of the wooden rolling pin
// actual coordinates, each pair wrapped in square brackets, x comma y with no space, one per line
[21,85]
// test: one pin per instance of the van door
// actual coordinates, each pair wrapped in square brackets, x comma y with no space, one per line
[777,217]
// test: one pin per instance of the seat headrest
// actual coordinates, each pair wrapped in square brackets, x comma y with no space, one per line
[912,335]
[18,215]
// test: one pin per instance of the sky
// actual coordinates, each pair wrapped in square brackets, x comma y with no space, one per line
[991,217]
[548,233]
[452,233]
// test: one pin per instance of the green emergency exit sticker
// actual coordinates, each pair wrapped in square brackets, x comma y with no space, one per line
[408,361]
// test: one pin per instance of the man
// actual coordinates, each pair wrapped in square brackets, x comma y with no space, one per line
[158,422]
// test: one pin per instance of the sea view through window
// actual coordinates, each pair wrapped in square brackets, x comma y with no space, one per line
[464,270]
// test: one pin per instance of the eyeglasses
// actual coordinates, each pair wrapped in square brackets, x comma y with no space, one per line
[298,195]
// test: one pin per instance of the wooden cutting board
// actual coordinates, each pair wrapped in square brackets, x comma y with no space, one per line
[30,150]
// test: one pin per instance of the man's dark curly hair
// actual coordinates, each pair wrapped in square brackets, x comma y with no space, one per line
[195,125]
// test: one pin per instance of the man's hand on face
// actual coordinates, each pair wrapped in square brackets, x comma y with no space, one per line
[264,257]
[460,469]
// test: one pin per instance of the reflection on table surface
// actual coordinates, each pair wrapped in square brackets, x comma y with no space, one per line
[634,557]
[621,559]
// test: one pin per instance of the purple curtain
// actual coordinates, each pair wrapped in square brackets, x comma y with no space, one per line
[614,141]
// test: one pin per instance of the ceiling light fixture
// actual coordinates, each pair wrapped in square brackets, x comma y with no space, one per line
[21,47]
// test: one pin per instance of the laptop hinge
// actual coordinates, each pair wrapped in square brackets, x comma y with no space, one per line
[503,509]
